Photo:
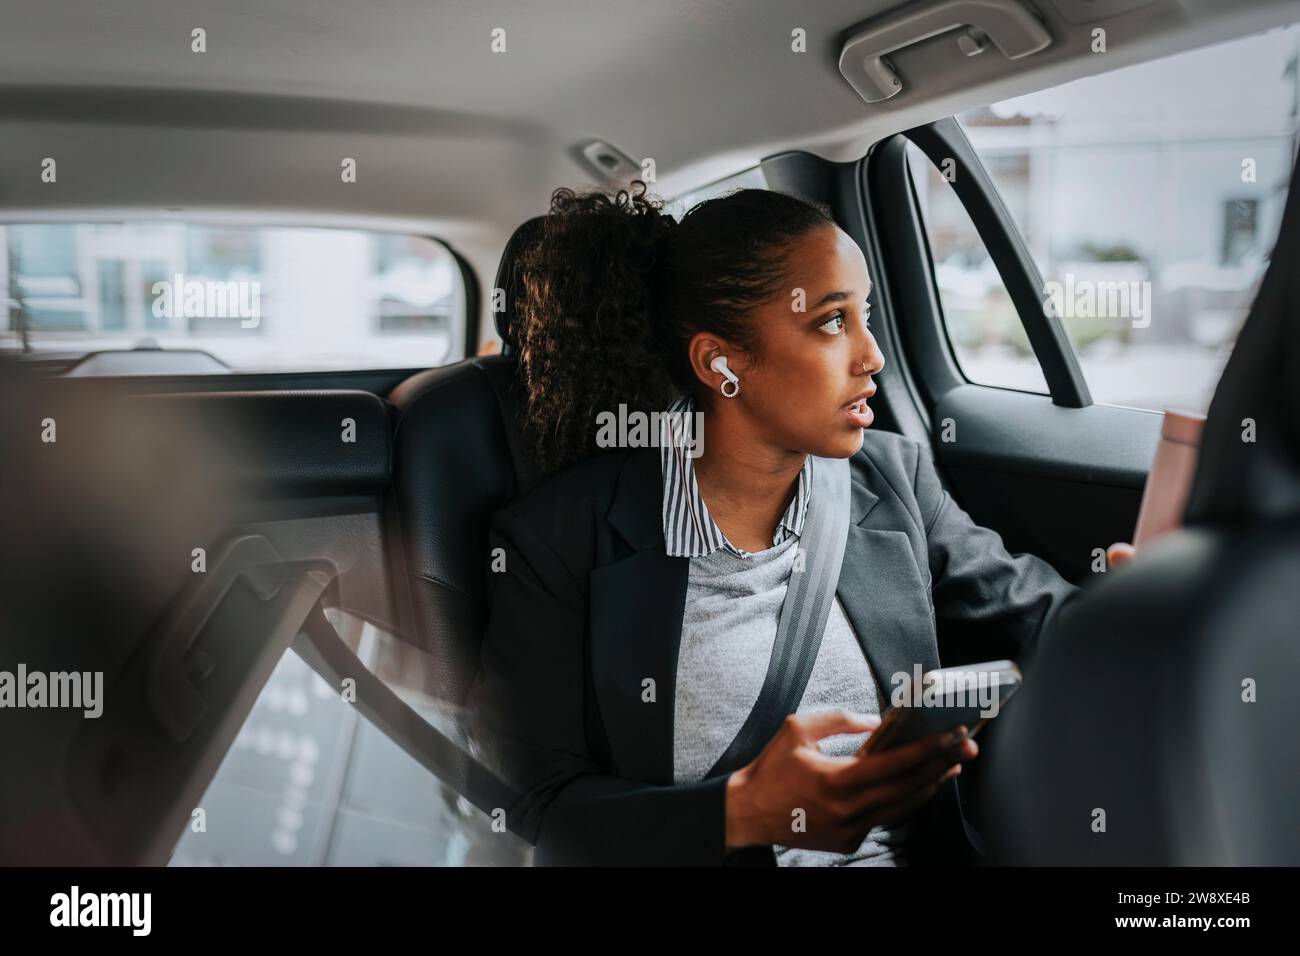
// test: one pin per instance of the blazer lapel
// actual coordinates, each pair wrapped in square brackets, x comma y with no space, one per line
[637,606]
[885,596]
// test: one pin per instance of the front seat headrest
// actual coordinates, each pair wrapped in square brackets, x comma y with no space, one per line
[510,278]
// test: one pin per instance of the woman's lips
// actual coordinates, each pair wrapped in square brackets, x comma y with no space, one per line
[860,414]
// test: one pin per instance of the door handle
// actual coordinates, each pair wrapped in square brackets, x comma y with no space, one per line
[1010,25]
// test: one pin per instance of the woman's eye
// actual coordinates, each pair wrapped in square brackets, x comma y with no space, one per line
[834,325]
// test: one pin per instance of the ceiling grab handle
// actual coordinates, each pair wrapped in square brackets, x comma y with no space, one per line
[1010,25]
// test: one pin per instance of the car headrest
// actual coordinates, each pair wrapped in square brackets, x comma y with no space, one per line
[510,277]
[1240,480]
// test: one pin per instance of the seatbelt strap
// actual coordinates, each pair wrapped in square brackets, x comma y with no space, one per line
[804,613]
[325,652]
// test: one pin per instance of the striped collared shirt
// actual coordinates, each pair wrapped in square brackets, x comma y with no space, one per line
[689,531]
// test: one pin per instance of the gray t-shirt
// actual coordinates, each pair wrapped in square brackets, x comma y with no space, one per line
[733,605]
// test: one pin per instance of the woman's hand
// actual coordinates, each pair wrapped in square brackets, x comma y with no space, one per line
[1119,554]
[842,798]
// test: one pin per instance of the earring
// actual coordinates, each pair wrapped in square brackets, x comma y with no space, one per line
[719,365]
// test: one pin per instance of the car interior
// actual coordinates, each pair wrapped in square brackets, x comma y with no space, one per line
[381,168]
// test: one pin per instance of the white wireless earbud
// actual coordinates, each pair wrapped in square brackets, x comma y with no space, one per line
[719,365]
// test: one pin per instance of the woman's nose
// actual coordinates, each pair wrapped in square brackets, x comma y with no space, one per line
[872,360]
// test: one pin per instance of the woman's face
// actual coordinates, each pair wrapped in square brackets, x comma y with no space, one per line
[808,390]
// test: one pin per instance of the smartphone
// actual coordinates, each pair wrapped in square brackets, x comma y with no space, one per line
[971,694]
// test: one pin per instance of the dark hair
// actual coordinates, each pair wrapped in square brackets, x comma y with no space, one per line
[614,289]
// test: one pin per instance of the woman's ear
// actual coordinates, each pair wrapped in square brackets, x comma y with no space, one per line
[703,348]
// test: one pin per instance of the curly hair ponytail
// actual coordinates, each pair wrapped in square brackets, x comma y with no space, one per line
[614,289]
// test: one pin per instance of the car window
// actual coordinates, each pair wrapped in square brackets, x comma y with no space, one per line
[1150,198]
[309,782]
[982,323]
[245,298]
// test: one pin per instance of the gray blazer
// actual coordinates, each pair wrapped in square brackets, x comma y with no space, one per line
[589,606]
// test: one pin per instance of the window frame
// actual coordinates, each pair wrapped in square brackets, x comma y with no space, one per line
[945,140]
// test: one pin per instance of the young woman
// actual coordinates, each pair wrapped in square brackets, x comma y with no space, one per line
[635,617]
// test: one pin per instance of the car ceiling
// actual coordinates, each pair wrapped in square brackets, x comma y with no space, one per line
[454,139]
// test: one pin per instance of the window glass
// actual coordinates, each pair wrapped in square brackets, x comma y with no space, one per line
[1150,198]
[983,325]
[254,299]
[309,782]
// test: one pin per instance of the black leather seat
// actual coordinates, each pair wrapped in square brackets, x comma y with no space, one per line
[458,456]
[1157,721]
